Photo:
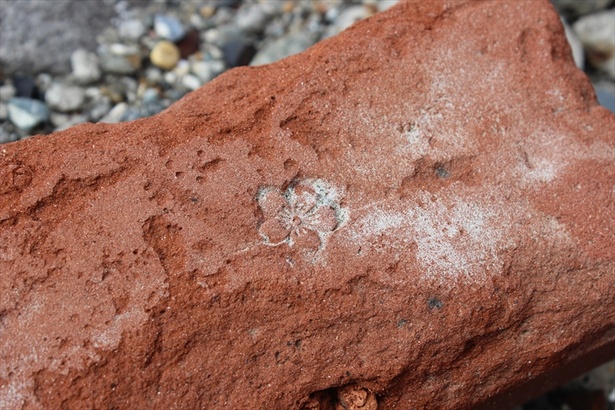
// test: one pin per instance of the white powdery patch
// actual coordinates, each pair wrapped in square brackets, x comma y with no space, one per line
[547,155]
[109,338]
[454,238]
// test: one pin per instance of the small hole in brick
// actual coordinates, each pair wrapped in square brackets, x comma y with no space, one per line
[434,303]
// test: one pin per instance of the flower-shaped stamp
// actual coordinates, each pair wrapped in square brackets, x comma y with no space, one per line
[303,216]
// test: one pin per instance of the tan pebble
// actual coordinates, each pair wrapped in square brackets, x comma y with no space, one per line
[164,55]
[207,11]
[288,6]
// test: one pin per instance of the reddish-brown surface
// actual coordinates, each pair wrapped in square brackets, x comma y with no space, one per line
[418,211]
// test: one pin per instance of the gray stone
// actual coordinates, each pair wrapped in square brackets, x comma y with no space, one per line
[7,91]
[64,97]
[292,43]
[85,66]
[150,96]
[251,18]
[385,4]
[27,113]
[64,121]
[116,114]
[8,133]
[605,91]
[597,33]
[153,75]
[37,36]
[575,44]
[222,35]
[100,109]
[44,81]
[168,27]
[347,18]
[131,29]
[576,8]
[4,111]
[119,58]
[191,82]
[207,70]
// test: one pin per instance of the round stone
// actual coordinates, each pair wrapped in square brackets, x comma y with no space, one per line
[191,82]
[597,33]
[64,97]
[27,113]
[131,29]
[164,55]
[120,59]
[576,45]
[85,66]
[168,27]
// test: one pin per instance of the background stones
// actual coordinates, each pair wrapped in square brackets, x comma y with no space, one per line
[143,37]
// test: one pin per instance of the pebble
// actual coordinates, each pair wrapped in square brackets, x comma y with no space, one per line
[153,75]
[251,18]
[116,113]
[347,18]
[191,82]
[85,66]
[64,121]
[182,68]
[222,35]
[168,27]
[4,111]
[207,70]
[285,46]
[133,73]
[27,113]
[575,44]
[238,53]
[605,92]
[64,97]
[100,109]
[164,55]
[25,86]
[43,82]
[597,33]
[131,29]
[7,91]
[150,96]
[119,58]
[575,8]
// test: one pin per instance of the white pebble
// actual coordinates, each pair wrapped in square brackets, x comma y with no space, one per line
[7,91]
[597,33]
[168,27]
[131,29]
[576,46]
[64,97]
[85,66]
[191,82]
[116,113]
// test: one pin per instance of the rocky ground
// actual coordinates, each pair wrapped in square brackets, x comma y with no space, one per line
[124,60]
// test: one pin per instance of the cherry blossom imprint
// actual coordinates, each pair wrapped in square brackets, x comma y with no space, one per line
[303,216]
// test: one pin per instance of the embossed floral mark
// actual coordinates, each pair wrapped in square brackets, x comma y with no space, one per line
[302,216]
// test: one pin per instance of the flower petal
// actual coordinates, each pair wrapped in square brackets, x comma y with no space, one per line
[323,219]
[271,201]
[306,239]
[304,199]
[273,231]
